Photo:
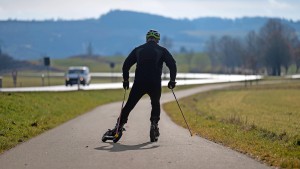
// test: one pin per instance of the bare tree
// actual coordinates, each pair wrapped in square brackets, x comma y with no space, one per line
[252,55]
[189,56]
[277,41]
[211,48]
[231,52]
[296,57]
[295,47]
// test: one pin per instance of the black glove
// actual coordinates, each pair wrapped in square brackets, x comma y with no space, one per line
[126,85]
[171,84]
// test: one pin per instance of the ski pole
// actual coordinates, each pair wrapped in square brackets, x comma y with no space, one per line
[182,113]
[117,132]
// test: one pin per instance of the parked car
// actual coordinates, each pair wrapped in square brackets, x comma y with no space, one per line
[78,74]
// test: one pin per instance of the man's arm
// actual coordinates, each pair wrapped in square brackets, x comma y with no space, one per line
[129,61]
[171,64]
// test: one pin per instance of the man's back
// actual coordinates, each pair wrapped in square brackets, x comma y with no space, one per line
[149,58]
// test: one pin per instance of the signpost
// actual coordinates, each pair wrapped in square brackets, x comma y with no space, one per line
[14,75]
[47,64]
[0,82]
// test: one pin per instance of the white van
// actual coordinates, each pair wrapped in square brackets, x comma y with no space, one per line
[78,74]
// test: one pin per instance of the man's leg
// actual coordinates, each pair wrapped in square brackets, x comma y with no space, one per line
[155,94]
[135,95]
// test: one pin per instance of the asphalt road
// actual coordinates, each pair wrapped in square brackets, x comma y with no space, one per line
[77,144]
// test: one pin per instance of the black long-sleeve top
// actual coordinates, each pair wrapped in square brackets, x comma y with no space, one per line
[149,59]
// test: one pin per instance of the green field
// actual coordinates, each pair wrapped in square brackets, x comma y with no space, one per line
[261,121]
[25,81]
[196,62]
[96,64]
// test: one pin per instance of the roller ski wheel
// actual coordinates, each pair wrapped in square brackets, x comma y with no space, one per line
[154,133]
[112,135]
[109,135]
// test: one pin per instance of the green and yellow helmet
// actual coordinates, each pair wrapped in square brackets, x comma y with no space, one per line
[153,33]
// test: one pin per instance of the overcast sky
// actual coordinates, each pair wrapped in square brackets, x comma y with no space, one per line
[79,9]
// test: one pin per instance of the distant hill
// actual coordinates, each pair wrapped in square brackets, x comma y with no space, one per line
[116,32]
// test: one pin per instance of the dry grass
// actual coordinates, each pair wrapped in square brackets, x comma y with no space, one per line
[261,121]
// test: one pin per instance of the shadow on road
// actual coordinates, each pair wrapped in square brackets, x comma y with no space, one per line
[117,147]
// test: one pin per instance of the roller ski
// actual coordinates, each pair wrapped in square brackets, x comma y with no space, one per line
[154,132]
[114,134]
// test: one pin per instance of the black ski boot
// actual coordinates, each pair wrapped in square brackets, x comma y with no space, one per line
[112,134]
[154,132]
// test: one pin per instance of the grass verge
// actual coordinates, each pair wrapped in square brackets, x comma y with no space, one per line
[261,121]
[25,115]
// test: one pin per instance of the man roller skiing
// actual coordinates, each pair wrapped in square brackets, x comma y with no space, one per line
[149,59]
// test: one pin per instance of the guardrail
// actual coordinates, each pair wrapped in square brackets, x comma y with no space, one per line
[206,79]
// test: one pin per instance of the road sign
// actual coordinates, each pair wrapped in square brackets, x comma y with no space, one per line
[46,61]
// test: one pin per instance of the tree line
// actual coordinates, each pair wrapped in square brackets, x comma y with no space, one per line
[273,48]
[9,64]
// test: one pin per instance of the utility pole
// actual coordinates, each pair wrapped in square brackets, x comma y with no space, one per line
[112,66]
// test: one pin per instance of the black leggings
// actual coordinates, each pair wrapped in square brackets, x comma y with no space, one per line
[138,90]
